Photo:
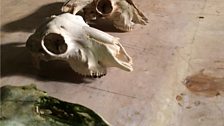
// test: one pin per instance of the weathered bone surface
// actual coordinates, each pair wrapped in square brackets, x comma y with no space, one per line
[87,50]
[123,13]
[74,6]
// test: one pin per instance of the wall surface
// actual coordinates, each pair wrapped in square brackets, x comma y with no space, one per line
[178,77]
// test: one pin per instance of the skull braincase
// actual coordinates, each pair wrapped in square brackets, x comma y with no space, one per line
[87,50]
[123,13]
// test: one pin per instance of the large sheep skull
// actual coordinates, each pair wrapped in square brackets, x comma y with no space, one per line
[123,13]
[87,50]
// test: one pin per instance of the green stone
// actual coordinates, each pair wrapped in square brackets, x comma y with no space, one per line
[28,106]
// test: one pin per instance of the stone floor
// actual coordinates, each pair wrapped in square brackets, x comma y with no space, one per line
[178,77]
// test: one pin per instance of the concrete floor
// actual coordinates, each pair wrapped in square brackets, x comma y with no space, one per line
[183,37]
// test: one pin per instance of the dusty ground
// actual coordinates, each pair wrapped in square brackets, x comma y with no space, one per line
[182,38]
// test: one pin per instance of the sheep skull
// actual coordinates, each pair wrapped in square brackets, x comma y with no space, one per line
[123,13]
[87,50]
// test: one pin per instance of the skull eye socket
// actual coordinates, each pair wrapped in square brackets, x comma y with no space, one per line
[55,43]
[104,7]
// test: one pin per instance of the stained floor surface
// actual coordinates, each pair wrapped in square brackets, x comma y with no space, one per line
[183,38]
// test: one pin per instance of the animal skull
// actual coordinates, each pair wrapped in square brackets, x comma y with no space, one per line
[123,13]
[87,50]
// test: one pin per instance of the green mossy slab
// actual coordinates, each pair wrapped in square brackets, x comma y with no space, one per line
[28,106]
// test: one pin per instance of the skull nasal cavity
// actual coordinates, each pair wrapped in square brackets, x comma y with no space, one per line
[104,7]
[55,43]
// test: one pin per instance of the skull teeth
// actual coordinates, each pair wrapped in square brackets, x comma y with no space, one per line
[127,29]
[92,74]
